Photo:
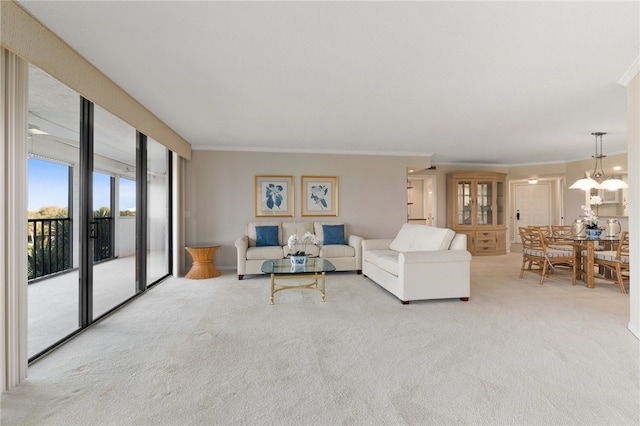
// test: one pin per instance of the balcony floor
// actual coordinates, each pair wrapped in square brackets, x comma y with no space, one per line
[53,302]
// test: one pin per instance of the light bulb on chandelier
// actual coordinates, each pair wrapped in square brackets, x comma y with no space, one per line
[598,179]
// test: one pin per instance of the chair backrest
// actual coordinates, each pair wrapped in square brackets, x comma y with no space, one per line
[545,229]
[622,252]
[532,238]
[562,232]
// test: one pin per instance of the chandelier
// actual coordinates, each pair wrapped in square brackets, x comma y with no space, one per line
[598,179]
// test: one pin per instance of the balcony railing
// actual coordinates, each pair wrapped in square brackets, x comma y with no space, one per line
[102,234]
[49,246]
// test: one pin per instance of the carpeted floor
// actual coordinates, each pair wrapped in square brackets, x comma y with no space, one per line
[215,352]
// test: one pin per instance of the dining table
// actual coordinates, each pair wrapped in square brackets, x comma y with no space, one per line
[584,253]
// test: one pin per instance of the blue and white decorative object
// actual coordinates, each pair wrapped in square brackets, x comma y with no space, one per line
[593,234]
[298,260]
[298,247]
[591,218]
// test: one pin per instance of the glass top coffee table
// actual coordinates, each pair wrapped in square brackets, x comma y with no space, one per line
[283,269]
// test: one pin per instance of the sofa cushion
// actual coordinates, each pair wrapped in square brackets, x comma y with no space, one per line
[333,234]
[295,228]
[414,237]
[389,263]
[251,232]
[267,236]
[311,250]
[386,260]
[371,256]
[264,253]
[337,251]
[320,233]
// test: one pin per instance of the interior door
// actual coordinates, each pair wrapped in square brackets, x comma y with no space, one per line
[532,204]
[421,199]
[430,200]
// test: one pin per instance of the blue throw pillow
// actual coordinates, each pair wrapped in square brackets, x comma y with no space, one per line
[267,236]
[333,234]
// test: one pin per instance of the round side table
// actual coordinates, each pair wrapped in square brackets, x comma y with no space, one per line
[203,265]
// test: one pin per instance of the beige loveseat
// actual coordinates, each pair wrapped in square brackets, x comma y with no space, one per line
[251,255]
[422,262]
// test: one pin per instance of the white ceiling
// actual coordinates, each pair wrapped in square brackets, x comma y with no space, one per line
[467,82]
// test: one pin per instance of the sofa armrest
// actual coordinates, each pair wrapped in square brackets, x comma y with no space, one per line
[436,274]
[242,245]
[377,244]
[435,256]
[356,242]
[459,242]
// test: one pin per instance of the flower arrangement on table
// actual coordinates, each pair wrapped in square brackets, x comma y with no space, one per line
[299,244]
[590,216]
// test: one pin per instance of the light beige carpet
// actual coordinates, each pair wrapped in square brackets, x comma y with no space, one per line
[215,352]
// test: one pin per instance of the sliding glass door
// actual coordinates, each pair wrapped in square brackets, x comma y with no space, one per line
[99,217]
[158,235]
[53,245]
[113,236]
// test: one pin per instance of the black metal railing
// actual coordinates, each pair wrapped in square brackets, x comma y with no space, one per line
[102,234]
[49,246]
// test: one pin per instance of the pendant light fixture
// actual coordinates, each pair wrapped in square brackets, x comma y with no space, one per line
[598,179]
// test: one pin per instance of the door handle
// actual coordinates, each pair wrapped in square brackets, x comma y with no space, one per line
[93,230]
[518,215]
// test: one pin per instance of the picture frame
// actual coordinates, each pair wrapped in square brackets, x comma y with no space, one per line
[608,197]
[319,195]
[274,196]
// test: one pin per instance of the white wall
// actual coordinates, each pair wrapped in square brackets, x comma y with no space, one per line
[633,148]
[220,193]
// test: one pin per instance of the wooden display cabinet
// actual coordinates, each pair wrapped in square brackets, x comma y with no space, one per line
[476,204]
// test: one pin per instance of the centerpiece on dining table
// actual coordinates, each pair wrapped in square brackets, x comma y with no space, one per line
[298,247]
[591,217]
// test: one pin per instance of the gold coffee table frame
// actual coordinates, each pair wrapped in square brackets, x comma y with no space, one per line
[283,269]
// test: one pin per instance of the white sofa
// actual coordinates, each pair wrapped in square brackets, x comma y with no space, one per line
[345,257]
[422,262]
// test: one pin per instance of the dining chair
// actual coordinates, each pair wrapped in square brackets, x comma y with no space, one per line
[561,238]
[532,252]
[545,229]
[536,252]
[616,261]
[562,232]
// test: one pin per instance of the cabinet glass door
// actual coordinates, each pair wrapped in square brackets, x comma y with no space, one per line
[484,203]
[464,204]
[500,203]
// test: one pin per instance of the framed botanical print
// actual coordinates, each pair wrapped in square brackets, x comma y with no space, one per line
[319,195]
[274,196]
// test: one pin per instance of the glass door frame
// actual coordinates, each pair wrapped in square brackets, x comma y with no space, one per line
[85,280]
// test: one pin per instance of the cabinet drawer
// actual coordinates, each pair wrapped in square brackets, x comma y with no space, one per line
[483,235]
[485,240]
[485,250]
[485,243]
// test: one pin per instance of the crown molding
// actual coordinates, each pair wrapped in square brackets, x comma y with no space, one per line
[312,151]
[633,70]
